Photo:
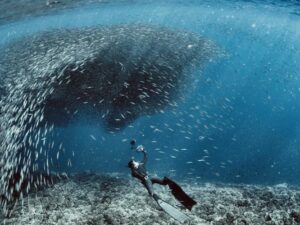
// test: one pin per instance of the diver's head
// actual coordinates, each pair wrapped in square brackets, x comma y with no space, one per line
[133,164]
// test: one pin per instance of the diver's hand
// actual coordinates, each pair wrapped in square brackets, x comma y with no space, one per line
[140,148]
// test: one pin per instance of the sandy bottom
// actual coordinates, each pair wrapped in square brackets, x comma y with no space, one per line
[90,199]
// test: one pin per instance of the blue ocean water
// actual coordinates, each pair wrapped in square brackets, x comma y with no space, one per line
[238,122]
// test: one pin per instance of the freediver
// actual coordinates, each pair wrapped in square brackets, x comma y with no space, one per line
[138,170]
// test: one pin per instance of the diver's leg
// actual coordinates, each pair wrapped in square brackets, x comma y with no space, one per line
[148,184]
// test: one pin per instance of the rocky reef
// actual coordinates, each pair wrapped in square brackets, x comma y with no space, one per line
[115,199]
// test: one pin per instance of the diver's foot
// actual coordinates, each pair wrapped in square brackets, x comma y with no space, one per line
[155,196]
[181,207]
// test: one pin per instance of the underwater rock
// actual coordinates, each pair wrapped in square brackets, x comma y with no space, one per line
[113,73]
[21,186]
[80,201]
[295,216]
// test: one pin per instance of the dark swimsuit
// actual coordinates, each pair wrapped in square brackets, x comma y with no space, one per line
[141,174]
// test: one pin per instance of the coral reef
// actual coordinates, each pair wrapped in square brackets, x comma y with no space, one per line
[87,199]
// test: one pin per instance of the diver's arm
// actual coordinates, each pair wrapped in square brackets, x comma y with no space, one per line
[145,159]
[141,148]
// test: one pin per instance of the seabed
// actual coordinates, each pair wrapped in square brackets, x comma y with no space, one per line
[92,199]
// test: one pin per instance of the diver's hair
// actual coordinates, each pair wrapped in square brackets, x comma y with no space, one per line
[130,164]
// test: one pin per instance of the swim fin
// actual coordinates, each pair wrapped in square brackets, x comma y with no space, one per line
[172,211]
[179,194]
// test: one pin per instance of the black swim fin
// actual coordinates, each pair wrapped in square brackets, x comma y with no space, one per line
[179,194]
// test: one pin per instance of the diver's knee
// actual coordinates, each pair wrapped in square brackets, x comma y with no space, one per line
[166,180]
